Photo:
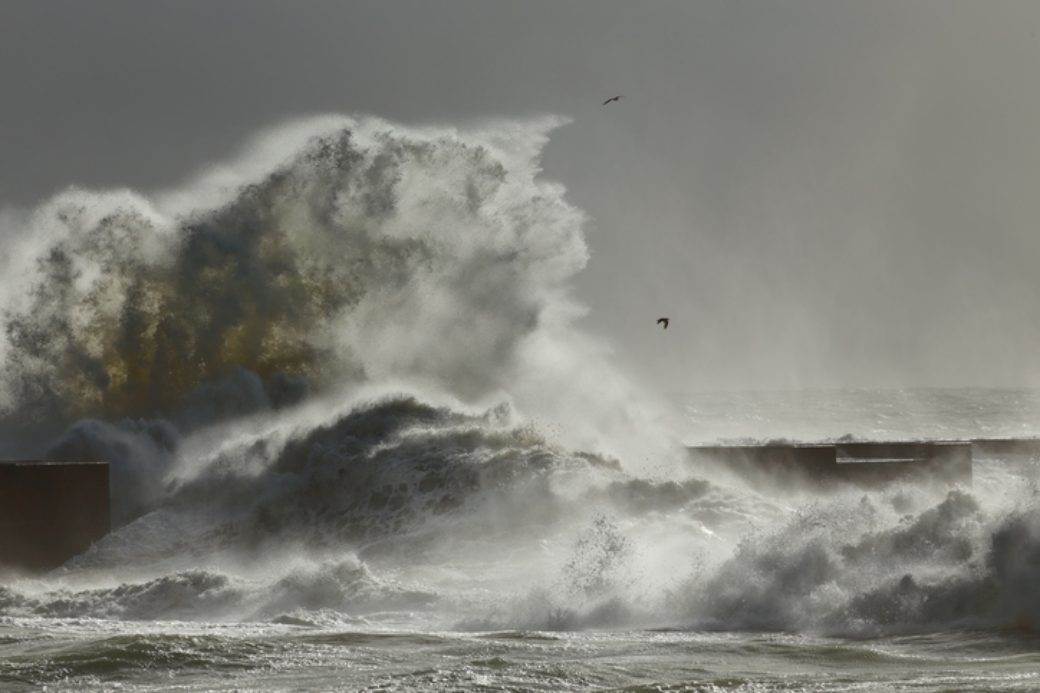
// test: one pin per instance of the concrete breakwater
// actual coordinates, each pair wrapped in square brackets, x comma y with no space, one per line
[50,511]
[822,465]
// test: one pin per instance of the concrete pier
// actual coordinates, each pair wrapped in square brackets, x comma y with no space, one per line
[826,465]
[1006,447]
[50,511]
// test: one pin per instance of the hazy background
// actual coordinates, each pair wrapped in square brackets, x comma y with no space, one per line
[818,193]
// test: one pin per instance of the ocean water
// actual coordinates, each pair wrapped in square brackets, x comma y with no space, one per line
[178,656]
[358,440]
[865,414]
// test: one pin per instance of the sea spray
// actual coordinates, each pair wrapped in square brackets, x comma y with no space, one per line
[368,252]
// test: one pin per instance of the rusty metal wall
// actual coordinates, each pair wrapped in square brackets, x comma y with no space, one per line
[51,511]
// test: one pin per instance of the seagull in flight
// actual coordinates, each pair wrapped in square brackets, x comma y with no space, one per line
[614,98]
[664,322]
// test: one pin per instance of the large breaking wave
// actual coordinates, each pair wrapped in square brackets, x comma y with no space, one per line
[340,378]
[369,252]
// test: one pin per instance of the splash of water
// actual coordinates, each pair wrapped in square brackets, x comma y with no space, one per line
[370,252]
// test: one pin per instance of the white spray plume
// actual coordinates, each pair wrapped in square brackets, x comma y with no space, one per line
[337,250]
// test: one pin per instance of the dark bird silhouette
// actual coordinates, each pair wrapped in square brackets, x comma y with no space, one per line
[614,98]
[663,321]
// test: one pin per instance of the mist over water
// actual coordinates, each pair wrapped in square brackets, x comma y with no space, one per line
[341,383]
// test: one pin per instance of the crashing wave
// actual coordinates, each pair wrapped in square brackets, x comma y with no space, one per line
[328,590]
[343,374]
[370,251]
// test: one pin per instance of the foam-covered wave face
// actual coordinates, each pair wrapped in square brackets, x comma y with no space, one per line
[471,519]
[331,588]
[344,250]
[864,568]
[390,468]
[452,511]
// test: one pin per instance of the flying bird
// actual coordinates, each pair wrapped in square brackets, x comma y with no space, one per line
[614,98]
[663,321]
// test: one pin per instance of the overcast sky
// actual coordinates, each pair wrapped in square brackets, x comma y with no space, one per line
[818,193]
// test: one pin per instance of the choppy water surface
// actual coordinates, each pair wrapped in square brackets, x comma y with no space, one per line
[77,656]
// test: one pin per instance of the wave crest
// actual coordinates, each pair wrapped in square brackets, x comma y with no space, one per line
[372,250]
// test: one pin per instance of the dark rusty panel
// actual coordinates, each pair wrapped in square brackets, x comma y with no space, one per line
[50,512]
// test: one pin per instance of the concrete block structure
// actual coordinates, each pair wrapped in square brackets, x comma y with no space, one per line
[50,511]
[1006,447]
[827,465]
